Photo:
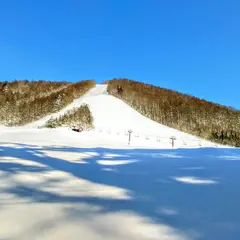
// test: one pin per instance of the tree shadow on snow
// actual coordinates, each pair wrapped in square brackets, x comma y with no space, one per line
[190,189]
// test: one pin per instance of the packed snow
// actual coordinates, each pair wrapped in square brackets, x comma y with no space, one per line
[60,184]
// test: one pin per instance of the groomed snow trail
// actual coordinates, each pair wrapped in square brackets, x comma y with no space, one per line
[114,115]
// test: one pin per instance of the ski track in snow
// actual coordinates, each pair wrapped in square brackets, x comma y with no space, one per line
[59,184]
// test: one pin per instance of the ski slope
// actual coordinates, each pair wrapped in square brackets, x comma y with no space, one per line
[112,115]
[57,184]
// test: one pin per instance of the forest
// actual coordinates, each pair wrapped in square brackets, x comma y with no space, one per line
[180,111]
[22,102]
[80,118]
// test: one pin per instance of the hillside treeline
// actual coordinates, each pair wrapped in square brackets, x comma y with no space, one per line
[80,118]
[22,102]
[186,113]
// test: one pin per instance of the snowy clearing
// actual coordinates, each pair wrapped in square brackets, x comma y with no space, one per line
[59,184]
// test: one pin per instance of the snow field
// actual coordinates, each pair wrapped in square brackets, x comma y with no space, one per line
[59,184]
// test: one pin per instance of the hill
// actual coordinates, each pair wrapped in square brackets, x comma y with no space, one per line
[111,117]
[180,111]
[37,103]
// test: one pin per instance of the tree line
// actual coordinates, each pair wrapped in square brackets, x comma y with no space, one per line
[80,117]
[22,102]
[180,111]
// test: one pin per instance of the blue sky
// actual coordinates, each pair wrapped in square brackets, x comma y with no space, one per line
[192,46]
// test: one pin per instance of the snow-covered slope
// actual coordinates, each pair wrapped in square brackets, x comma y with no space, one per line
[115,116]
[112,113]
[57,184]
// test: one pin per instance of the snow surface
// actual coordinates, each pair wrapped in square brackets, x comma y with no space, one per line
[59,184]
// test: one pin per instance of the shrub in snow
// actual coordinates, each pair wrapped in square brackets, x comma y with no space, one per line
[51,123]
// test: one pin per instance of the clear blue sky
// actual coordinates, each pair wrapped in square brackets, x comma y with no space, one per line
[192,46]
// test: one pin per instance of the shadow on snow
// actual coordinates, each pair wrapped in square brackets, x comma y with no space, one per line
[195,189]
